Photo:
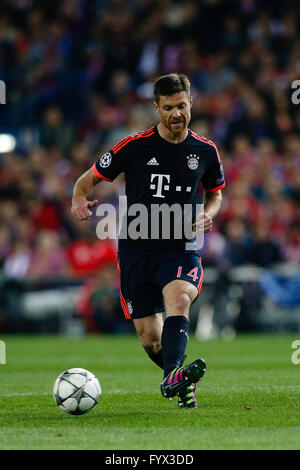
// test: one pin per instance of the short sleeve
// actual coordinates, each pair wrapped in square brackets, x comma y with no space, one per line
[112,163]
[213,178]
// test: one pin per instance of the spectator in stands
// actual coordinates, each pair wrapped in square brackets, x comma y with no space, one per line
[18,261]
[5,243]
[237,243]
[87,255]
[98,302]
[49,259]
[80,78]
[263,251]
[55,131]
[291,248]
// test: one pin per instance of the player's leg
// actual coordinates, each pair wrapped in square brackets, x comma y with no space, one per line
[149,330]
[181,280]
[141,301]
[180,276]
[178,296]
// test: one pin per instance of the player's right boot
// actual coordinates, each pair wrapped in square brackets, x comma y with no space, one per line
[180,378]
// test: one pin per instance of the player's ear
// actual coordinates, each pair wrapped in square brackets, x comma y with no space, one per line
[156,105]
[191,101]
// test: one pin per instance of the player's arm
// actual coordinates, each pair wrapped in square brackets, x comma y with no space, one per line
[212,205]
[83,188]
[107,168]
[213,181]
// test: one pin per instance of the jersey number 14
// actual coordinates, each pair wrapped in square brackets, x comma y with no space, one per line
[193,273]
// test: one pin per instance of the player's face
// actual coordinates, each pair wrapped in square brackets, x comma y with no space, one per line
[175,111]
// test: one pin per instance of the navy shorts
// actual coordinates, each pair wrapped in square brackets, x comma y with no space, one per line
[144,274]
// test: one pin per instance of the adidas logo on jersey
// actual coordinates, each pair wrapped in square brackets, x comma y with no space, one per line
[153,161]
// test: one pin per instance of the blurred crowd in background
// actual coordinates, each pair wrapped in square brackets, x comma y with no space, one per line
[79,77]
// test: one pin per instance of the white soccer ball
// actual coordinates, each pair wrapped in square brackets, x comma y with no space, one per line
[76,391]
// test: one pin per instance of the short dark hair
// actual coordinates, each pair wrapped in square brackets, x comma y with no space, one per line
[169,84]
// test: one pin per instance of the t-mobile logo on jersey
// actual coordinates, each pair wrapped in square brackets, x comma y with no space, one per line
[166,187]
[160,186]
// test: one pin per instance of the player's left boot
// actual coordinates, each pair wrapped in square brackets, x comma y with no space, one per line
[187,398]
[180,378]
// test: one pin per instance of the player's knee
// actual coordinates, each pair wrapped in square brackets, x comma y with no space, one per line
[152,348]
[150,341]
[182,302]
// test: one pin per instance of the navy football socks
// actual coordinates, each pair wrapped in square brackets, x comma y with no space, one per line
[157,358]
[174,340]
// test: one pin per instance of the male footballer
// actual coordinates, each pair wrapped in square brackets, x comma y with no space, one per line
[162,165]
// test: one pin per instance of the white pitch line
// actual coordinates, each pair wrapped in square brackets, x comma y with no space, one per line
[114,392]
[40,394]
[24,394]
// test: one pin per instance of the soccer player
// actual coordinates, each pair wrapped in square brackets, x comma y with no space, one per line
[163,165]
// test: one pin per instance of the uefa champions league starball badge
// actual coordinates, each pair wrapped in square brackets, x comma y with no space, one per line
[105,160]
[192,161]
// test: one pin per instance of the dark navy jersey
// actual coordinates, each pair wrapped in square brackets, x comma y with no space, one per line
[160,172]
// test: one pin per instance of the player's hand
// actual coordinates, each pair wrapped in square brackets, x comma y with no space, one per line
[203,223]
[81,208]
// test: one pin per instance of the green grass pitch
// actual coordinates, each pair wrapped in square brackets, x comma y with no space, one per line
[249,397]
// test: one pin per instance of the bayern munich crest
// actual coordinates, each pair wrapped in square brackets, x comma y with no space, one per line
[193,161]
[105,161]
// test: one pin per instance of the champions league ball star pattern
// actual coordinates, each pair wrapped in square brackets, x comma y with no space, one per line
[76,391]
[105,160]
